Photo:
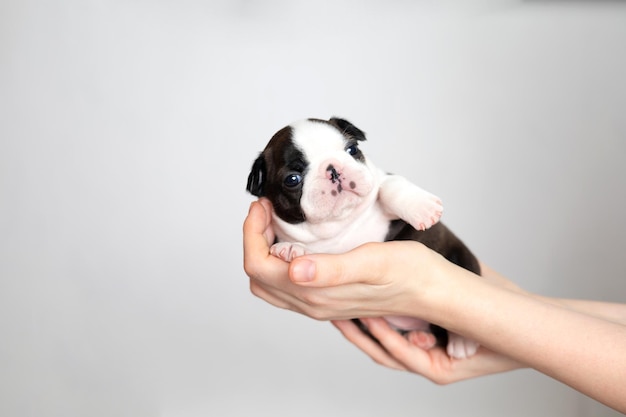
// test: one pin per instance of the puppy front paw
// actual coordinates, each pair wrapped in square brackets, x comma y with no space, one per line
[409,202]
[288,251]
[424,211]
[460,347]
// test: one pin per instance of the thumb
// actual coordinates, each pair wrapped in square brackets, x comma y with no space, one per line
[365,264]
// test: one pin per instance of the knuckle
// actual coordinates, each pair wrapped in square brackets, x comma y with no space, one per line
[378,360]
[317,315]
[439,380]
[312,298]
[315,312]
[256,289]
[248,267]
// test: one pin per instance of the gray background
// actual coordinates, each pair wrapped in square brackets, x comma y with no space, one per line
[127,132]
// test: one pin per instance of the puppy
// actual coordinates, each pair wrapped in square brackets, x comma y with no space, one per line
[329,198]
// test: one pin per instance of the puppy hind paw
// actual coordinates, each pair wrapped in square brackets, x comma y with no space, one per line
[421,339]
[288,251]
[460,347]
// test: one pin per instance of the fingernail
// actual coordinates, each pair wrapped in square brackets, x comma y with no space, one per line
[303,270]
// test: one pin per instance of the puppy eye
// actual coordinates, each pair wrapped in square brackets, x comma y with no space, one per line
[293,180]
[352,150]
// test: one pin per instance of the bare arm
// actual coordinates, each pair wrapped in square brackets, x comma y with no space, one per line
[579,348]
[615,312]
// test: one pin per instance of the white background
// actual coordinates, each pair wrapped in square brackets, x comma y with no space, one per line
[127,131]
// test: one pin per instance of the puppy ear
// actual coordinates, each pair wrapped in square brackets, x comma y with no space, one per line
[256,179]
[347,128]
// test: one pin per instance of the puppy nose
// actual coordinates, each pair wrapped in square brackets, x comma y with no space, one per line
[332,172]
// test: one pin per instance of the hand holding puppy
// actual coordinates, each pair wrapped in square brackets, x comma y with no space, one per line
[373,280]
[331,287]
[515,328]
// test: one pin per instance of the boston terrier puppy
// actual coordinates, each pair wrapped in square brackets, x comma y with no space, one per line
[329,198]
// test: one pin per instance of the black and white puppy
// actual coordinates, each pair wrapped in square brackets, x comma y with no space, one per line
[329,198]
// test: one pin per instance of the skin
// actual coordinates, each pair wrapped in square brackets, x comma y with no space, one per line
[580,343]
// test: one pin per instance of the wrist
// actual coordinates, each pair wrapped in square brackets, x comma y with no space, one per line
[430,280]
[453,295]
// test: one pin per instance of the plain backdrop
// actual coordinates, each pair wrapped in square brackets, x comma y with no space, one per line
[127,131]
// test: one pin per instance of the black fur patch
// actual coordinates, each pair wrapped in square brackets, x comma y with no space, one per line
[279,158]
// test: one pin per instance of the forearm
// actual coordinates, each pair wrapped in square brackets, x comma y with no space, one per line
[614,312]
[608,311]
[578,349]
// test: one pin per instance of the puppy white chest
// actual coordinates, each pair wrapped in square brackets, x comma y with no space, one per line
[371,226]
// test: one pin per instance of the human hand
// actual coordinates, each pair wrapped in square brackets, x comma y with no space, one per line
[359,284]
[268,274]
[403,353]
[373,280]
[415,353]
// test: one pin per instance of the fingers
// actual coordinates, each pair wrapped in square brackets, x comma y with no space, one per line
[394,351]
[432,364]
[329,270]
[375,351]
[367,264]
[270,294]
[267,273]
[269,232]
[371,263]
[257,225]
[257,238]
[254,242]
[397,345]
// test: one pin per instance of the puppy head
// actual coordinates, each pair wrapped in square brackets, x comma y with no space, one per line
[314,171]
